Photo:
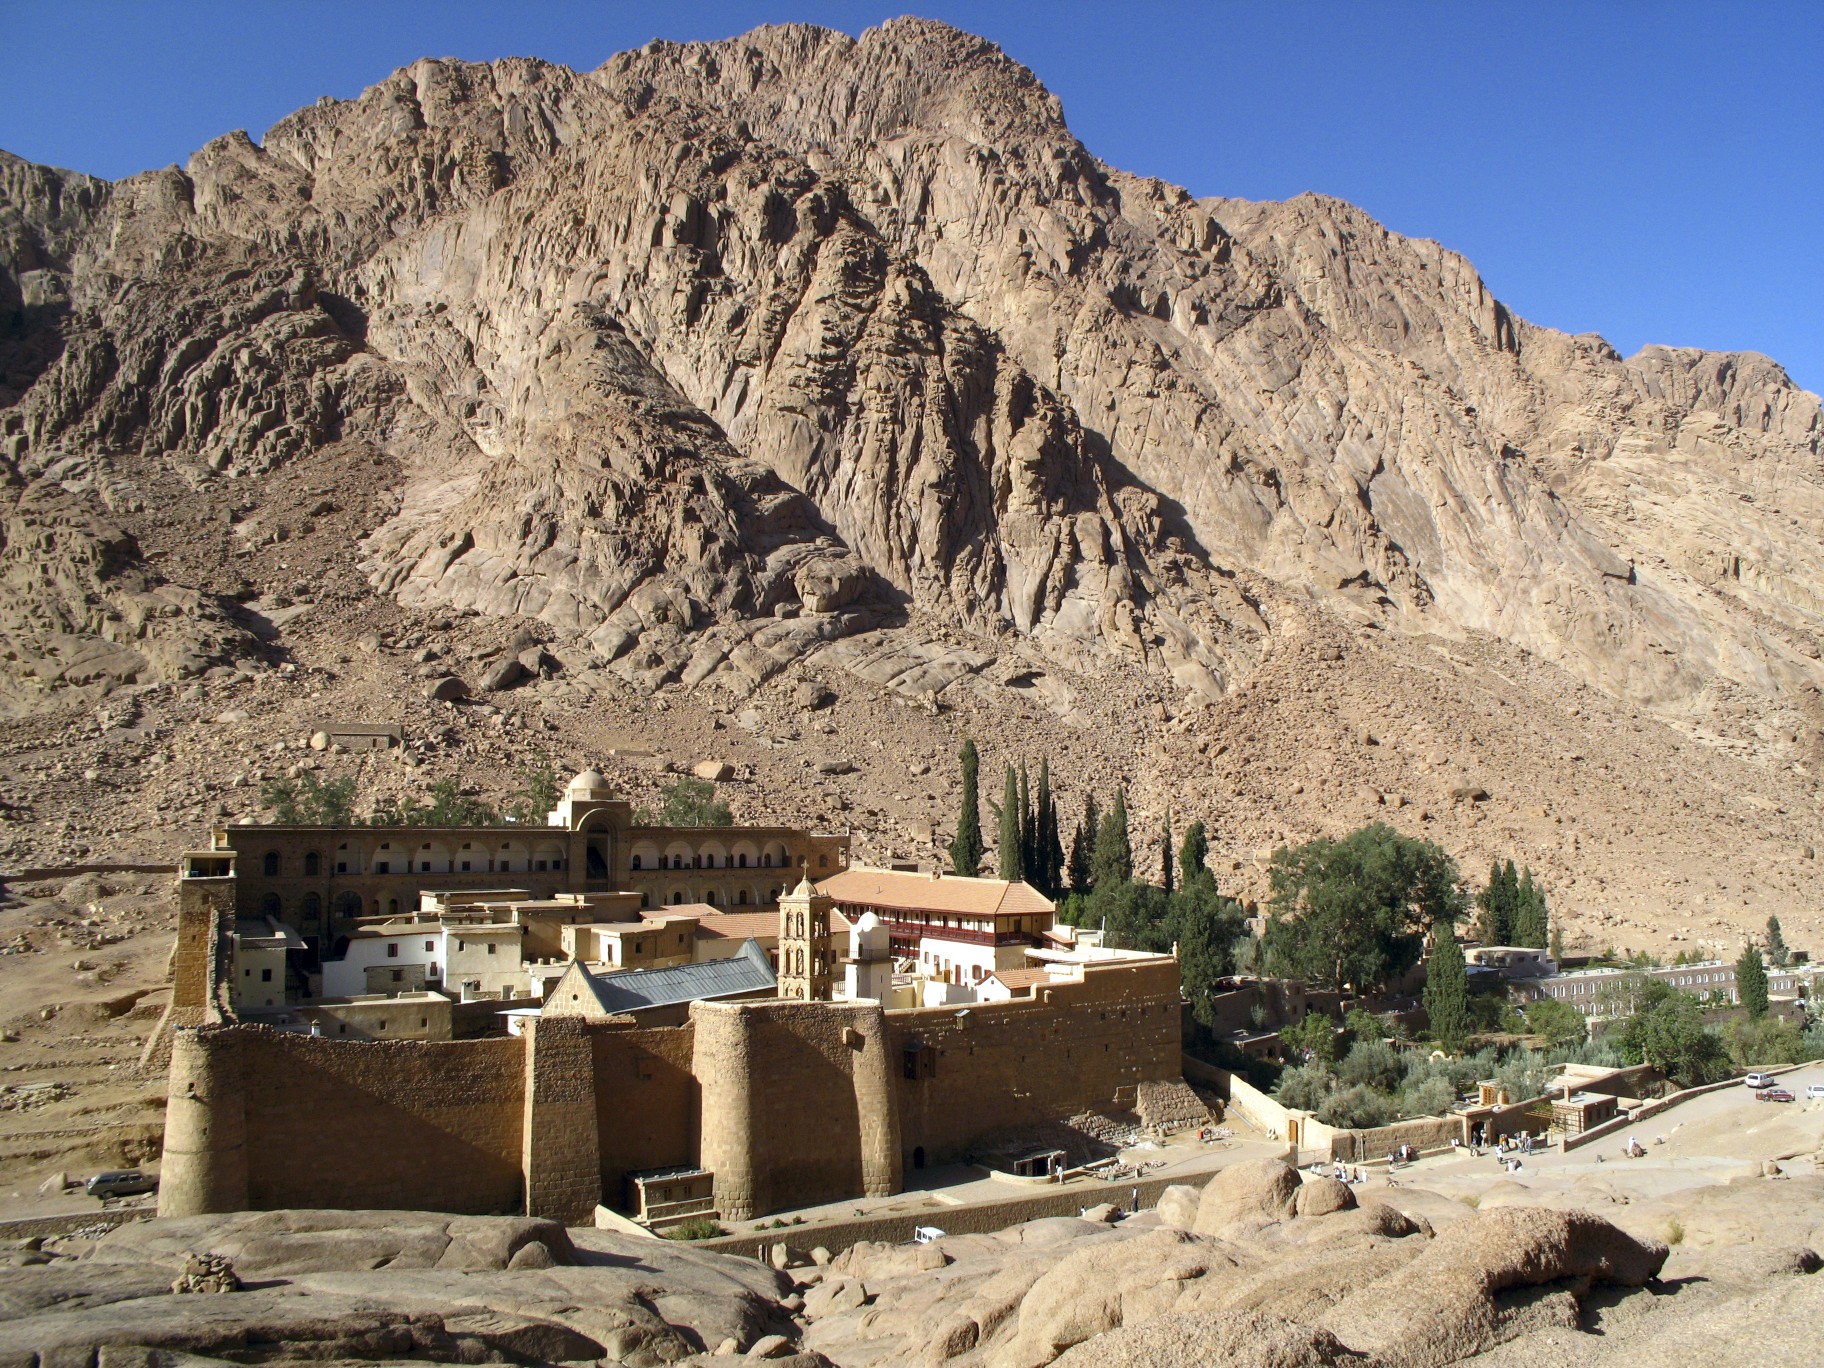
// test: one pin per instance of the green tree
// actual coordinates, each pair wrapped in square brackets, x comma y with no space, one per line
[305,801]
[1132,915]
[1313,1038]
[1447,989]
[450,806]
[1083,849]
[1113,860]
[1204,926]
[1194,854]
[1050,846]
[1011,863]
[1777,953]
[1765,1040]
[966,845]
[1530,925]
[1166,855]
[537,796]
[1495,925]
[1029,843]
[1560,1023]
[1354,912]
[1667,1031]
[692,803]
[1557,943]
[1751,982]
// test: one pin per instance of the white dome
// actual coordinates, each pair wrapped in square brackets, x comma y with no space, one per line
[868,922]
[587,784]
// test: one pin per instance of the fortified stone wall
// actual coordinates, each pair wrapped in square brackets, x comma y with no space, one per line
[797,1103]
[1072,1047]
[263,1119]
[647,1108]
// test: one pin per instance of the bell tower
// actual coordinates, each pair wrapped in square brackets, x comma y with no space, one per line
[805,965]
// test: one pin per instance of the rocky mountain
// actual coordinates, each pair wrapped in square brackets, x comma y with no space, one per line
[805,353]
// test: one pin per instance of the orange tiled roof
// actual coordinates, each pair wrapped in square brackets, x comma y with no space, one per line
[1019,980]
[740,925]
[905,892]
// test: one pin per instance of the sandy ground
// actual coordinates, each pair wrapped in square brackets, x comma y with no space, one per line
[82,984]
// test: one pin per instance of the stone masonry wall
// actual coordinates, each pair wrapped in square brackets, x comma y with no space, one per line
[1071,1048]
[647,1107]
[413,1125]
[559,1151]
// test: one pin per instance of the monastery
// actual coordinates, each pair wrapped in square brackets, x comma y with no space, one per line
[667,1021]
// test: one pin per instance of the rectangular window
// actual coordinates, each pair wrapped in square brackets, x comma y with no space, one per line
[398,976]
[341,866]
[383,867]
[430,945]
[392,949]
[424,866]
[465,866]
[265,976]
[539,864]
[490,947]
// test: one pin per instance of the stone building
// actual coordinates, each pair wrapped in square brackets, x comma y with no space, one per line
[958,930]
[806,970]
[323,880]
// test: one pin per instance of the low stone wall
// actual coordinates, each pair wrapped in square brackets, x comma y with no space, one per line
[1654,1108]
[70,1222]
[1421,1132]
[982,1218]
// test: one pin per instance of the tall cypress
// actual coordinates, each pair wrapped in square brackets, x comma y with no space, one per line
[1029,837]
[1776,944]
[1113,861]
[1531,923]
[1194,854]
[1078,867]
[1012,867]
[1166,854]
[1751,982]
[966,846]
[1051,848]
[1447,988]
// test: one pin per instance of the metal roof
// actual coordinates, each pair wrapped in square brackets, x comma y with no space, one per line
[748,971]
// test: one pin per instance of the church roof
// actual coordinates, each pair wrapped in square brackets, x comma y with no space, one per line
[580,992]
[903,891]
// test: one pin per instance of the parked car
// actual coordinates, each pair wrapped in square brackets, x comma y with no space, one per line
[1759,1080]
[1773,1095]
[1815,1093]
[120,1183]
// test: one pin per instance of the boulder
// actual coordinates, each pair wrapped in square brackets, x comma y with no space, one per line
[1178,1206]
[715,771]
[1102,1213]
[812,696]
[1260,1190]
[1448,1304]
[319,740]
[536,660]
[1234,1339]
[502,674]
[1322,1196]
[446,689]
[834,1295]
[836,767]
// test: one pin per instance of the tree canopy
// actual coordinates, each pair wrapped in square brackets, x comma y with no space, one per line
[966,845]
[1751,981]
[1354,912]
[1447,990]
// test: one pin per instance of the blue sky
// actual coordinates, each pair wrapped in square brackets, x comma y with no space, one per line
[1650,171]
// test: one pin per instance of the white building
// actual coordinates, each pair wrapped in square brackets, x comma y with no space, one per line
[465,958]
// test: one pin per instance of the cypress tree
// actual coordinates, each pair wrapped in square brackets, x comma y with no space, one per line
[1080,847]
[1751,982]
[966,845]
[1557,944]
[1166,855]
[1051,848]
[1029,836]
[1012,867]
[1447,988]
[1113,861]
[1777,953]
[1530,919]
[1194,854]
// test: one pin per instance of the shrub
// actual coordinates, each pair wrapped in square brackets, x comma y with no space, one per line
[1356,1108]
[696,1228]
[1305,1088]
[1372,1064]
[1432,1097]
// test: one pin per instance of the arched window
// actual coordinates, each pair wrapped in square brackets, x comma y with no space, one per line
[312,909]
[636,861]
[741,896]
[311,864]
[709,896]
[269,905]
[270,865]
[392,907]
[766,860]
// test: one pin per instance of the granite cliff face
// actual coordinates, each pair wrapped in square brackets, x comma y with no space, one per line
[728,358]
